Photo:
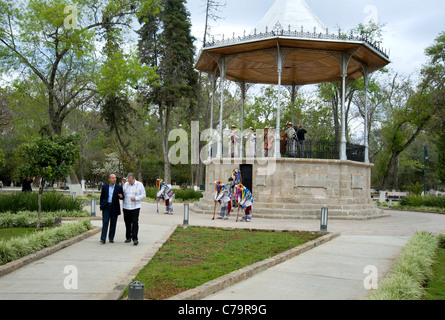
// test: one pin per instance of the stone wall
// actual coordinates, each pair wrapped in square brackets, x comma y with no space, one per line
[299,188]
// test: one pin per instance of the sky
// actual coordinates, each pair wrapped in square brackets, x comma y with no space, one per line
[410,26]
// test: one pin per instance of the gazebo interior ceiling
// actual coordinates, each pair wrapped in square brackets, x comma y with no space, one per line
[304,61]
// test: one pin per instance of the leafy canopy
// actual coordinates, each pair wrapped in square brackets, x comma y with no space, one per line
[50,158]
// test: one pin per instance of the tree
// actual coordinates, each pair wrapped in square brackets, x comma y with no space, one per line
[166,44]
[433,76]
[54,43]
[408,111]
[212,9]
[331,93]
[121,72]
[49,159]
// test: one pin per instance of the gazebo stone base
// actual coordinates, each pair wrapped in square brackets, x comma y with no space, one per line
[287,188]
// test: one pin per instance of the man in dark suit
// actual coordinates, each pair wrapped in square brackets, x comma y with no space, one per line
[111,208]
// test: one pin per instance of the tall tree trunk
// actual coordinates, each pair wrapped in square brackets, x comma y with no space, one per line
[165,127]
[132,157]
[395,172]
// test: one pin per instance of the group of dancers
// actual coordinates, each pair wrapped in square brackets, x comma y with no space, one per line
[236,195]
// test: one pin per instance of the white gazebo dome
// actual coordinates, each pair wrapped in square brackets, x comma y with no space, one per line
[292,15]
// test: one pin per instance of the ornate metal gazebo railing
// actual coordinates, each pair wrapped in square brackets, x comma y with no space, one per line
[311,149]
[279,31]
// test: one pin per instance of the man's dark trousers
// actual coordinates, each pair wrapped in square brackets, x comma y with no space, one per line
[111,219]
[131,218]
[110,211]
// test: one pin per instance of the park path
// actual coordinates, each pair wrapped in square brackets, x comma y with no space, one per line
[104,270]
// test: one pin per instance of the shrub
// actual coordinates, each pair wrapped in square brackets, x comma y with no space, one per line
[419,201]
[27,201]
[438,202]
[412,201]
[442,241]
[16,248]
[183,195]
[410,271]
[27,219]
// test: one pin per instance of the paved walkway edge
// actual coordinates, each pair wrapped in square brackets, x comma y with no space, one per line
[122,285]
[16,264]
[230,279]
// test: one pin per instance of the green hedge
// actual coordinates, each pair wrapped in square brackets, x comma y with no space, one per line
[28,201]
[420,201]
[28,219]
[19,247]
[411,271]
[182,195]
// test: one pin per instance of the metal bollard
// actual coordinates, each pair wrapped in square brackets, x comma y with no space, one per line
[186,214]
[136,291]
[324,220]
[93,207]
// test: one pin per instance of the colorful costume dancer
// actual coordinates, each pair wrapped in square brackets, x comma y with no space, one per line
[223,195]
[245,200]
[165,193]
[234,180]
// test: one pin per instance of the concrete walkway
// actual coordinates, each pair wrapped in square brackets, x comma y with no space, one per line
[334,270]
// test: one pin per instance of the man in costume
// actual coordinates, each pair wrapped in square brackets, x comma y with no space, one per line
[166,194]
[234,180]
[223,195]
[245,201]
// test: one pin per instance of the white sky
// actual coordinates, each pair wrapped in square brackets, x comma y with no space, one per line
[410,26]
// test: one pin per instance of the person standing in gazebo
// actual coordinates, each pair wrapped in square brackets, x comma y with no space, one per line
[291,139]
[301,140]
[264,139]
[271,142]
[250,143]
[234,141]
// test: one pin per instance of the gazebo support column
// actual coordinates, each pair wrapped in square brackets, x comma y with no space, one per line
[243,97]
[222,66]
[366,79]
[277,129]
[344,73]
[213,79]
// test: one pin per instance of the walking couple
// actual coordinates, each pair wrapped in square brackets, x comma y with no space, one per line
[131,194]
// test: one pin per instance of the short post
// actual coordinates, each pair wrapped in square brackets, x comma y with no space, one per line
[390,202]
[93,207]
[324,220]
[186,214]
[136,291]
[74,196]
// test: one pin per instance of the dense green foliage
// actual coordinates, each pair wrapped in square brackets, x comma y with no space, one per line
[411,271]
[126,97]
[182,195]
[27,201]
[420,201]
[18,247]
[26,219]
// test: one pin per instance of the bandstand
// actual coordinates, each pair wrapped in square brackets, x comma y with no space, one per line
[291,47]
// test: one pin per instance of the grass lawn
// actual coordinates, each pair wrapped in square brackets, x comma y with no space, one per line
[436,288]
[6,234]
[196,255]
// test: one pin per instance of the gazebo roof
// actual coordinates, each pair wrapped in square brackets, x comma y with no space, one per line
[309,55]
